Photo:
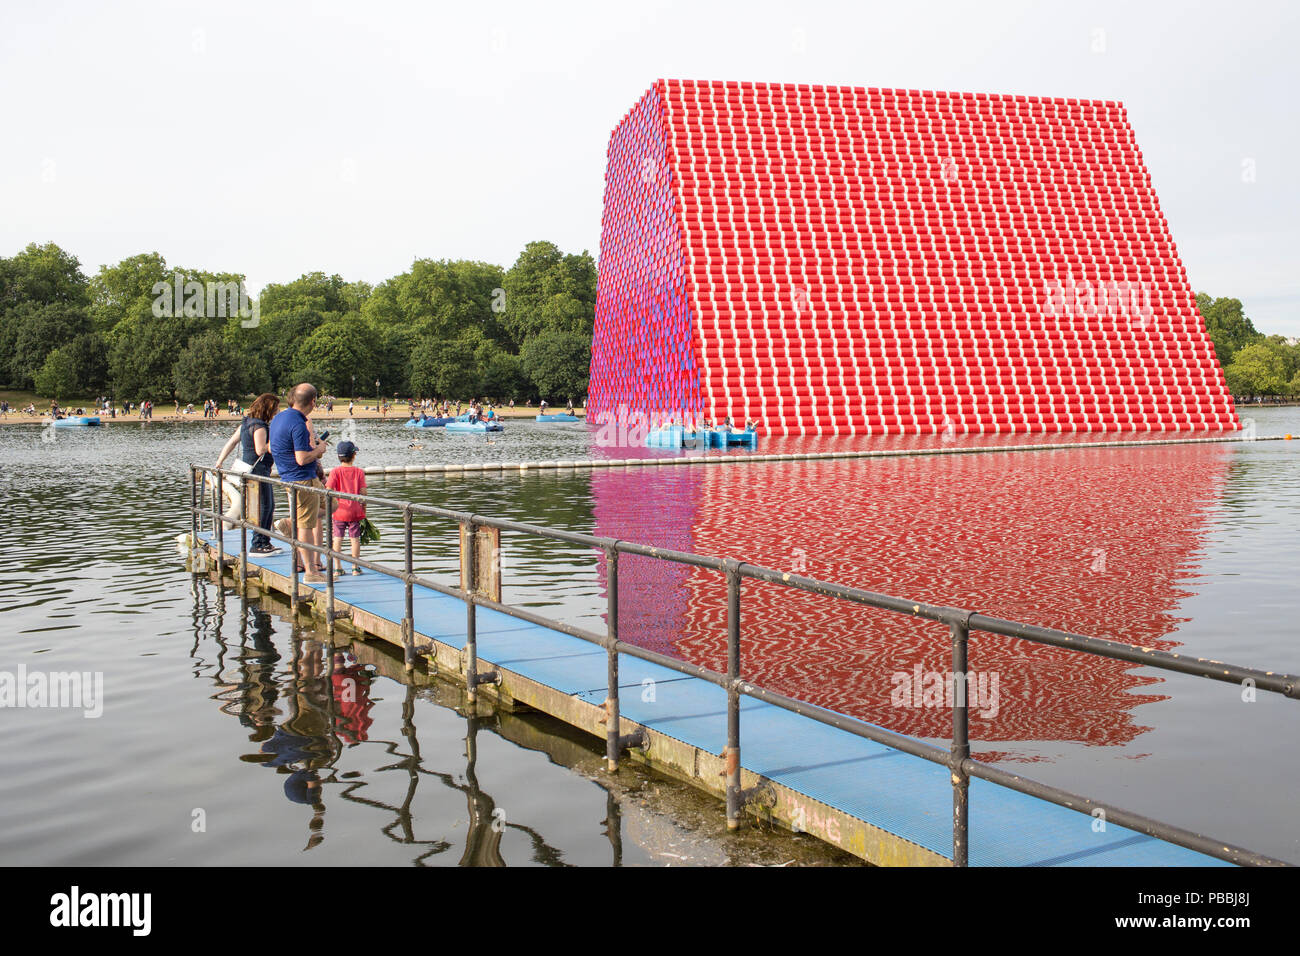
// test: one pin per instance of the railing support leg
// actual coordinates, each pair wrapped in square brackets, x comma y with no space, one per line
[218,499]
[732,767]
[471,647]
[243,534]
[611,631]
[960,746]
[408,622]
[329,562]
[194,519]
[293,550]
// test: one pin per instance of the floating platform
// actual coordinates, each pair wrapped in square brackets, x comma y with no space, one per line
[880,804]
[558,418]
[76,421]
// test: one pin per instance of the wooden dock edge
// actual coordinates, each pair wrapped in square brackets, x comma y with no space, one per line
[682,761]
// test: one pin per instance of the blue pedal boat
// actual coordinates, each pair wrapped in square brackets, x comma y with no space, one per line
[427,422]
[467,423]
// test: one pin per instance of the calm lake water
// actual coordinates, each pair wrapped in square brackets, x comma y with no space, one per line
[219,711]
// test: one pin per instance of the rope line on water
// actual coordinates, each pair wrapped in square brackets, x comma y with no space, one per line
[707,459]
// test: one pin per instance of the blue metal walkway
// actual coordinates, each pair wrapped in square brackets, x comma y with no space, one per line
[905,795]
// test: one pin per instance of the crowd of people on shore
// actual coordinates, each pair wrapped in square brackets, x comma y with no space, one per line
[211,409]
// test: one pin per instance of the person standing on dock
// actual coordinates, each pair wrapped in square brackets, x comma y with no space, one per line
[296,453]
[348,516]
[252,438]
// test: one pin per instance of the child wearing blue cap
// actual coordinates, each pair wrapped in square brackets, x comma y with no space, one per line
[348,516]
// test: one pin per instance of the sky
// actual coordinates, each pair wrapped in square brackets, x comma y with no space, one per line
[274,139]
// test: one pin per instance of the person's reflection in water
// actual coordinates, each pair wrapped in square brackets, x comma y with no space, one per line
[258,691]
[351,687]
[303,744]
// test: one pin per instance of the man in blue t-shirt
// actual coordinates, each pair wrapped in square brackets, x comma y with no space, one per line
[296,452]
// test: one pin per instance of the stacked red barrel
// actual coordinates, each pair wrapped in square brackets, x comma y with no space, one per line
[838,260]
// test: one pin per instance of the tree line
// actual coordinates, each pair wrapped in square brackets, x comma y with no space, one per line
[445,328]
[453,329]
[1254,364]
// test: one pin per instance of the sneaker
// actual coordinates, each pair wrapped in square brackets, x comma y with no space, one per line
[266,550]
[356,570]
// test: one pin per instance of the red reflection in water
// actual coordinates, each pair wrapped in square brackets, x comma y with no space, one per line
[1091,541]
[657,507]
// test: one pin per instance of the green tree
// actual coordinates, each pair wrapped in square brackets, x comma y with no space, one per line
[504,377]
[382,308]
[9,323]
[1257,370]
[89,355]
[314,292]
[442,368]
[1288,353]
[257,377]
[393,345]
[126,288]
[444,299]
[1228,327]
[559,364]
[209,367]
[337,350]
[546,290]
[278,338]
[43,275]
[38,330]
[57,378]
[141,354]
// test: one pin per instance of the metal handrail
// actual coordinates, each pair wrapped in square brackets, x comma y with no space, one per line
[959,622]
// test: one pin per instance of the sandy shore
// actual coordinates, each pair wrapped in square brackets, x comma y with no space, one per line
[396,414]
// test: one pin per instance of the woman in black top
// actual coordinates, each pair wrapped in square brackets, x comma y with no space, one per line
[252,437]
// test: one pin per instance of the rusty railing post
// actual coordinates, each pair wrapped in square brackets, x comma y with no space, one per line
[329,565]
[471,648]
[732,767]
[243,533]
[220,512]
[408,622]
[611,631]
[194,519]
[960,744]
